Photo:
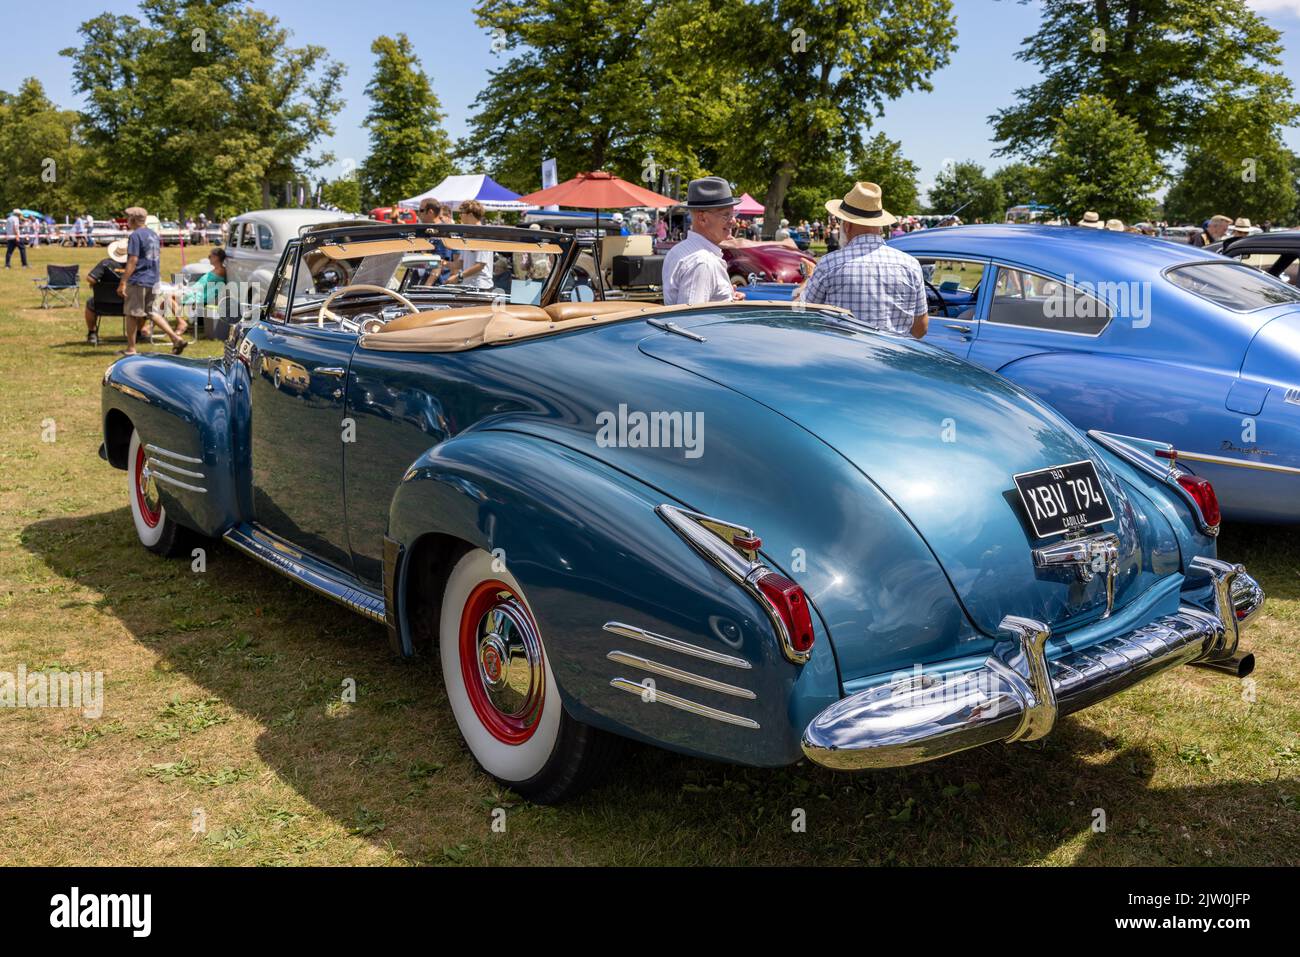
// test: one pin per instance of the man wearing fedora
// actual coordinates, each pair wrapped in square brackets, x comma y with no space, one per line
[694,270]
[882,286]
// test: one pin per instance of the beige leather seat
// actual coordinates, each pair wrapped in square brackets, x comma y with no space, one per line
[561,311]
[467,314]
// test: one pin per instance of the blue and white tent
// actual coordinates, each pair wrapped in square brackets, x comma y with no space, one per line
[455,190]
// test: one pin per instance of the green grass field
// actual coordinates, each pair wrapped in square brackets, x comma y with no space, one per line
[225,739]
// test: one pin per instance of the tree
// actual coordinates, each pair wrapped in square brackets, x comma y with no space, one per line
[580,67]
[881,161]
[801,81]
[409,149]
[343,193]
[41,161]
[1099,160]
[964,189]
[1018,184]
[1168,65]
[1260,186]
[204,102]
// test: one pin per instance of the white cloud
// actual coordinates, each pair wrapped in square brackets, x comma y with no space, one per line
[1291,7]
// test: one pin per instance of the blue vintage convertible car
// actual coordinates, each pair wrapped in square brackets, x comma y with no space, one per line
[1136,336]
[693,526]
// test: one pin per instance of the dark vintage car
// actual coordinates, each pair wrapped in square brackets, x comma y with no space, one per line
[1276,253]
[672,524]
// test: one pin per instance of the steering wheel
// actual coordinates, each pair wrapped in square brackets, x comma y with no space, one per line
[935,303]
[327,313]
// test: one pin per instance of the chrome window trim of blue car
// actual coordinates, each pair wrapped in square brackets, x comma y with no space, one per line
[1110,310]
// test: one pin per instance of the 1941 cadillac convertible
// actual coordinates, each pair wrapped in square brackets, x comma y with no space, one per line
[750,531]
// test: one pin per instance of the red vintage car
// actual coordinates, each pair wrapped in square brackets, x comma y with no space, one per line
[748,260]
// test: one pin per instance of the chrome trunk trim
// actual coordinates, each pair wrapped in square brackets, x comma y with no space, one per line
[652,695]
[1018,691]
[1089,557]
[673,644]
[689,677]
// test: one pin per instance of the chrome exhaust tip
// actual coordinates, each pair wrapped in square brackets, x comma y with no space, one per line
[1239,665]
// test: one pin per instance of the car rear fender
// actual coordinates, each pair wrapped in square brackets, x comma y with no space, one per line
[585,543]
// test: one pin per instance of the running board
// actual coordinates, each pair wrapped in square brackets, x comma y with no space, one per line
[319,577]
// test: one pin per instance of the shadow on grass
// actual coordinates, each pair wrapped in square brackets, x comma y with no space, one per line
[393,770]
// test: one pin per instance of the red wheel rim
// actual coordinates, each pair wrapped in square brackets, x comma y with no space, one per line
[501,662]
[152,516]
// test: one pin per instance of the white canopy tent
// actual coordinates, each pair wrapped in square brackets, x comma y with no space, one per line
[455,190]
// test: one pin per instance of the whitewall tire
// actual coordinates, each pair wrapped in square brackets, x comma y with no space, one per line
[502,690]
[156,531]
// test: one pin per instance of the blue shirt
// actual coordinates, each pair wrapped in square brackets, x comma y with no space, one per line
[882,286]
[143,244]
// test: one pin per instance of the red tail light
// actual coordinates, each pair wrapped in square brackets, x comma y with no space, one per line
[1203,493]
[792,605]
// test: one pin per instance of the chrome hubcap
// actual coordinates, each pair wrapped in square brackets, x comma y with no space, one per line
[510,659]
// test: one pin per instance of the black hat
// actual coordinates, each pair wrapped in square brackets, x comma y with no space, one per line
[711,192]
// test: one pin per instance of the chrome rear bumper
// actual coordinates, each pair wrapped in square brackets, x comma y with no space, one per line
[1018,692]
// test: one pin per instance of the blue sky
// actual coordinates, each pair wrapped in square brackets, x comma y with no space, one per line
[949,123]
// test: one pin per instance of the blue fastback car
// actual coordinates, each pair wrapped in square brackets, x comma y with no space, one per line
[745,531]
[1135,336]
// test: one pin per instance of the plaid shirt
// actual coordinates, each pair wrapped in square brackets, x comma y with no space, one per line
[883,287]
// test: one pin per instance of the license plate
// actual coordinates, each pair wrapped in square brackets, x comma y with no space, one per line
[1063,498]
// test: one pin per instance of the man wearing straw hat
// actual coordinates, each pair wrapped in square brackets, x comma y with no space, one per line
[883,287]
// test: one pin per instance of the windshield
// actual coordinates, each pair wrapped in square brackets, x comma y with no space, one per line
[1233,285]
[376,271]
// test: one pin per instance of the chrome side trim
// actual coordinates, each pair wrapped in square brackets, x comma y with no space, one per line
[689,677]
[1292,396]
[320,578]
[168,480]
[1209,459]
[1017,692]
[161,464]
[655,696]
[157,450]
[672,644]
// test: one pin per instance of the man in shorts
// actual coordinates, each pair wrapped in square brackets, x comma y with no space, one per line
[141,276]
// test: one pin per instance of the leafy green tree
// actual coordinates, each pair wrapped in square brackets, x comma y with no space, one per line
[1260,186]
[1169,65]
[202,102]
[1099,160]
[344,193]
[881,161]
[800,81]
[409,149]
[576,86]
[964,189]
[1018,184]
[40,164]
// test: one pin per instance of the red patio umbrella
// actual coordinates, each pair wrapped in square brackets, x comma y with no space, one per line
[597,190]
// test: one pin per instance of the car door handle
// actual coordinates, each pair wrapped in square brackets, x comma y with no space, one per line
[337,371]
[957,327]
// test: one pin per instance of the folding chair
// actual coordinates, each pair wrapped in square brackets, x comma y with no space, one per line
[60,285]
